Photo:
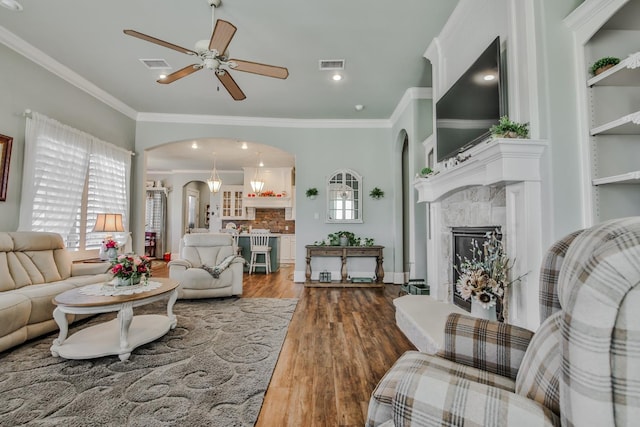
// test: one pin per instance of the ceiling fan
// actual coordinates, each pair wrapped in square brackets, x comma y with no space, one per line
[214,56]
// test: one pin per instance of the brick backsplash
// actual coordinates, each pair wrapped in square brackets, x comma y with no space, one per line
[272,219]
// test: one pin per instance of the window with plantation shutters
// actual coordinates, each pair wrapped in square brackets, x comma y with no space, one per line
[70,177]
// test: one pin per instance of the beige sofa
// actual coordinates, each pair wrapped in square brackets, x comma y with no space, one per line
[35,267]
[211,250]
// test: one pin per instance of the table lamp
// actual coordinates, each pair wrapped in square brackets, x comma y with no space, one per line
[107,223]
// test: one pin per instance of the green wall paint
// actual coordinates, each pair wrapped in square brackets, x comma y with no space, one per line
[23,84]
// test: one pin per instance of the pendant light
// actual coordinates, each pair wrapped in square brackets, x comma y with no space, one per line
[257,184]
[214,182]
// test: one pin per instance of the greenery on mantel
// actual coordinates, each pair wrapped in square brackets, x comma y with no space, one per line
[507,128]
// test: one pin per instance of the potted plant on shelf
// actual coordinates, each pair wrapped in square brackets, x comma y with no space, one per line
[312,193]
[603,64]
[376,193]
[507,128]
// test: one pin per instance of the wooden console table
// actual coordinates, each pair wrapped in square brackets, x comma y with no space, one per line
[344,252]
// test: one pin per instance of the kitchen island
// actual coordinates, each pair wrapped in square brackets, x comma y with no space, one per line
[274,243]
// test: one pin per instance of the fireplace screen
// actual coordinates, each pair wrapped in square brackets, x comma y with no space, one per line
[462,237]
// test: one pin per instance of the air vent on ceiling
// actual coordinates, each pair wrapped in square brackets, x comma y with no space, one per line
[332,64]
[155,64]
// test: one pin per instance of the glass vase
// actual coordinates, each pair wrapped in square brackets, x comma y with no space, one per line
[112,254]
[477,310]
[128,281]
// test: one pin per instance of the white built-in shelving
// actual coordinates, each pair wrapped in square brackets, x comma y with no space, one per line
[612,138]
[625,178]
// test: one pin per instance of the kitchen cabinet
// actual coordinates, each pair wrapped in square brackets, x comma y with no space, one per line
[288,249]
[232,202]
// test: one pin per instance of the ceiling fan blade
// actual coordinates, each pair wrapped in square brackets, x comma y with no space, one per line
[221,37]
[262,69]
[184,72]
[231,85]
[163,43]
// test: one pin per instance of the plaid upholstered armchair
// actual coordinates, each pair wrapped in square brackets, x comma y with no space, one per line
[581,368]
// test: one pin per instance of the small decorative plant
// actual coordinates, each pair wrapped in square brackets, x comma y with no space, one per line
[507,128]
[344,238]
[311,192]
[376,193]
[603,64]
[426,172]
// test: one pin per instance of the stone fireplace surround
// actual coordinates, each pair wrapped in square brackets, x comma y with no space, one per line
[499,184]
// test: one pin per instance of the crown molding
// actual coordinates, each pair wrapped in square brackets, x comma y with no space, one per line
[587,18]
[48,63]
[410,94]
[260,121]
[40,58]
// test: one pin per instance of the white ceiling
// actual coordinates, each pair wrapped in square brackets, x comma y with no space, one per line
[382,43]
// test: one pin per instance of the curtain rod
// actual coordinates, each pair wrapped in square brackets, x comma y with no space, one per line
[29,114]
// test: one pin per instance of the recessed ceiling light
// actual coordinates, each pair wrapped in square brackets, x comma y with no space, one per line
[194,145]
[489,77]
[337,77]
[244,146]
[359,107]
[11,5]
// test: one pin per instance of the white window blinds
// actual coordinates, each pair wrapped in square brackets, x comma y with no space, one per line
[69,177]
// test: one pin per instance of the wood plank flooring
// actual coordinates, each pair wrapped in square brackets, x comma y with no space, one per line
[339,344]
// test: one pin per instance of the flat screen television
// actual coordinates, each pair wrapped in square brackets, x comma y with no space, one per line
[472,105]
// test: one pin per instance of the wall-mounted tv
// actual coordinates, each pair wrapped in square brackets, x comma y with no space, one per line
[472,105]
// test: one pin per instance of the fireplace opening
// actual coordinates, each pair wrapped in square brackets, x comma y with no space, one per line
[462,238]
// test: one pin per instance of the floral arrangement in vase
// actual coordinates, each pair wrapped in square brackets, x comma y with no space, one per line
[485,277]
[129,269]
[111,244]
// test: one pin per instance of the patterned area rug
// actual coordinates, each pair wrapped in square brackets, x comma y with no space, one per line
[212,370]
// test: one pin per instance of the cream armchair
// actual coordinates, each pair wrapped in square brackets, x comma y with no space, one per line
[208,266]
[581,368]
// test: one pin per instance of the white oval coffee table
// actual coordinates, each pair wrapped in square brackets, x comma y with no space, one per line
[118,336]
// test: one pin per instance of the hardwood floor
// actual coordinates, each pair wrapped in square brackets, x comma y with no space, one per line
[339,344]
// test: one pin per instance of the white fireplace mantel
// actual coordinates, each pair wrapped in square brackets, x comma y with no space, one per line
[497,161]
[517,165]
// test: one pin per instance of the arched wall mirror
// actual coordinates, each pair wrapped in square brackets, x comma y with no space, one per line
[344,197]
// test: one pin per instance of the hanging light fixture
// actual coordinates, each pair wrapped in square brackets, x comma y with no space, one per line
[257,184]
[214,182]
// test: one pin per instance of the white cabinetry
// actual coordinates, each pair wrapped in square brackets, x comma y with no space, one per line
[287,248]
[611,134]
[232,202]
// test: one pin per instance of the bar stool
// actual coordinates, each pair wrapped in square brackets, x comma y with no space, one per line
[236,245]
[260,246]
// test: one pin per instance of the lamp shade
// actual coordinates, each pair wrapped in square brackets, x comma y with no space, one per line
[108,223]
